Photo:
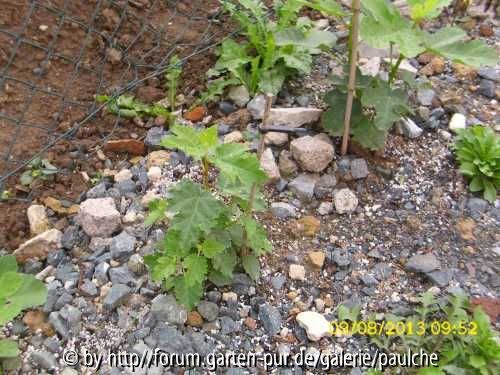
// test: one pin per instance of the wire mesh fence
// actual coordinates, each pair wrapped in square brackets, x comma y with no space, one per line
[56,56]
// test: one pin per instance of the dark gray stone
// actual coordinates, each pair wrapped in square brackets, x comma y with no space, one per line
[208,310]
[228,325]
[98,191]
[477,205]
[422,263]
[122,275]
[487,88]
[101,273]
[214,296]
[116,295]
[227,108]
[359,168]
[303,186]
[490,73]
[270,318]
[67,272]
[440,277]
[382,271]
[89,289]
[122,246]
[278,281]
[324,187]
[70,237]
[126,187]
[369,280]
[342,257]
[240,283]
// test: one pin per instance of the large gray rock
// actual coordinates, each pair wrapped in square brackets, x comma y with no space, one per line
[122,275]
[166,309]
[270,318]
[312,153]
[44,359]
[487,88]
[99,217]
[122,246]
[424,263]
[303,186]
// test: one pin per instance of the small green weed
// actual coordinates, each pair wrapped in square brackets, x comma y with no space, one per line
[38,168]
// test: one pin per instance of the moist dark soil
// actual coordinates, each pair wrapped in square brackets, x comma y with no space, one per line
[54,60]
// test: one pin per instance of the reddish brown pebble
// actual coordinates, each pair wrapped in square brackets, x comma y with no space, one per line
[132,146]
[486,30]
[194,319]
[195,115]
[250,323]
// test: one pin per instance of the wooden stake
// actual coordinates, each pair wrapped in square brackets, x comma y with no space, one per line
[352,74]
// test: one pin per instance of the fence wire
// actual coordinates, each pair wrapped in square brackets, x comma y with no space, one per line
[57,56]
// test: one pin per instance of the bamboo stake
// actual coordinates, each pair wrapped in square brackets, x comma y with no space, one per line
[352,74]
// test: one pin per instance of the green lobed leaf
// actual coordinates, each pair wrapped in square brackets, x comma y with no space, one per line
[187,294]
[256,236]
[251,266]
[32,292]
[271,81]
[367,135]
[8,263]
[196,144]
[310,40]
[426,9]
[237,164]
[448,42]
[196,268]
[328,7]
[225,262]
[195,212]
[157,210]
[210,248]
[389,104]
[382,24]
[162,268]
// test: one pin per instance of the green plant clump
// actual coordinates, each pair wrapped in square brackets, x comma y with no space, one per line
[211,229]
[128,107]
[274,50]
[377,103]
[17,293]
[465,344]
[172,77]
[478,152]
[38,168]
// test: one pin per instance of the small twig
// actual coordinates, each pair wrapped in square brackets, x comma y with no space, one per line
[352,75]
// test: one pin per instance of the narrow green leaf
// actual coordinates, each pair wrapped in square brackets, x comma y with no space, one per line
[256,236]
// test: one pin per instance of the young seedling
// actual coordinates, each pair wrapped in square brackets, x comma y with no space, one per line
[38,168]
[172,76]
